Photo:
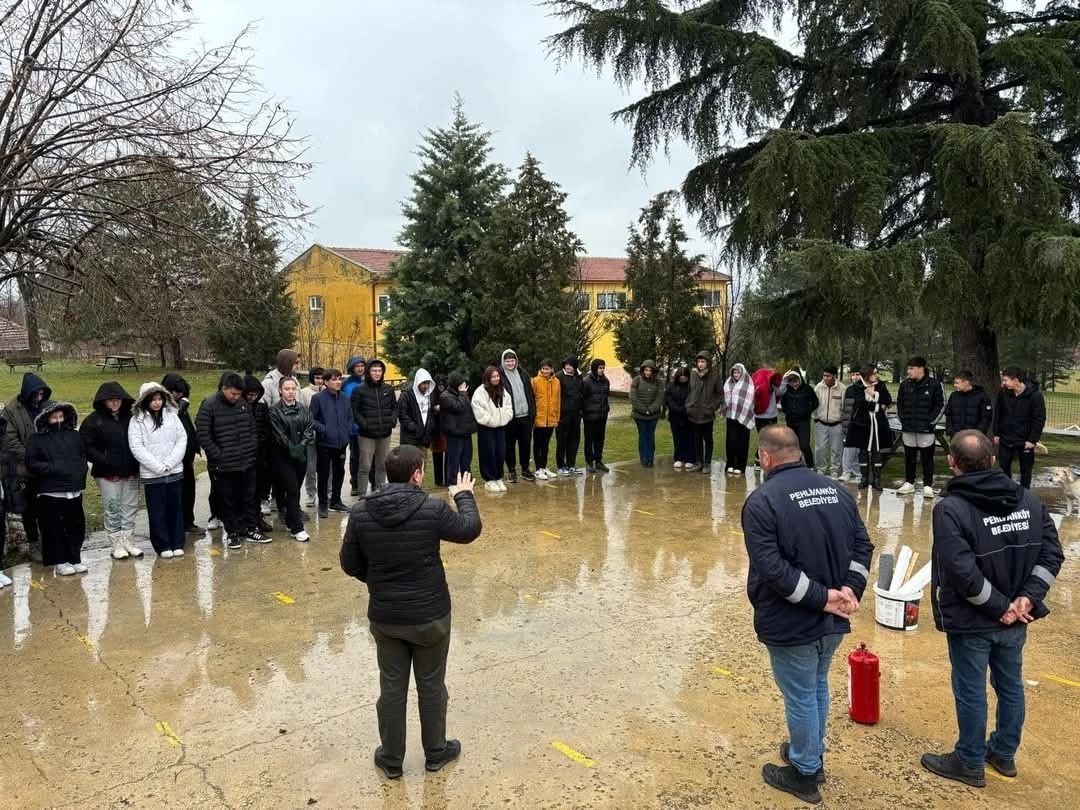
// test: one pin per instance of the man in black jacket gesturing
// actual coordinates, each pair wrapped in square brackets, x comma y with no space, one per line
[1019,420]
[996,553]
[392,544]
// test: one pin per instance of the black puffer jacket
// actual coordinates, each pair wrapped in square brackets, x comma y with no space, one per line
[571,395]
[55,457]
[226,434]
[1019,419]
[374,407]
[677,393]
[392,544]
[105,435]
[919,404]
[174,382]
[798,403]
[969,410]
[595,391]
[455,409]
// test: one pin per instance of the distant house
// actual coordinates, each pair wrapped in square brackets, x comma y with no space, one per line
[343,297]
[13,338]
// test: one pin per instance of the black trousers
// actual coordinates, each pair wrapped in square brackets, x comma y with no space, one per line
[264,474]
[30,517]
[913,454]
[518,442]
[759,423]
[541,443]
[1008,452]
[802,430]
[703,442]
[236,504]
[737,445]
[594,440]
[567,442]
[288,478]
[63,529]
[330,464]
[423,648]
[188,495]
[438,468]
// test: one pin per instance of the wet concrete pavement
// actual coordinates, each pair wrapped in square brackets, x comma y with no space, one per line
[602,656]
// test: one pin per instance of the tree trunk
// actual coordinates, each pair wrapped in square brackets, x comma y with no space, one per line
[161,353]
[177,352]
[975,348]
[28,293]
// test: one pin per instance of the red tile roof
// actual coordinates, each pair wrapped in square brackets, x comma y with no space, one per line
[596,269]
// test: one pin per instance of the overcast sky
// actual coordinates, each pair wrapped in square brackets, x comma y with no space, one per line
[365,79]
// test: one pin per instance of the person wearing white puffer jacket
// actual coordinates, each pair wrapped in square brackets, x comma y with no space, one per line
[493,410]
[158,441]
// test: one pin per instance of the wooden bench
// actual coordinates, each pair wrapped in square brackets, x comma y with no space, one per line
[118,361]
[27,360]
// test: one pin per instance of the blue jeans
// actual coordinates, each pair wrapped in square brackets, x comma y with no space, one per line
[458,457]
[491,447]
[1003,652]
[646,439]
[802,673]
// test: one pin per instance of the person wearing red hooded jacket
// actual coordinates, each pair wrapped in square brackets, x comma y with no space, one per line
[768,388]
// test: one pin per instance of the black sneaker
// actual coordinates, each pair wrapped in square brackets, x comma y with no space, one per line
[255,536]
[789,780]
[324,512]
[338,507]
[601,467]
[235,541]
[527,476]
[785,754]
[193,529]
[389,771]
[265,526]
[951,767]
[511,477]
[449,754]
[1006,767]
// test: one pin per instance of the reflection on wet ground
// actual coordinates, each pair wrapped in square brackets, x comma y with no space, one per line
[603,656]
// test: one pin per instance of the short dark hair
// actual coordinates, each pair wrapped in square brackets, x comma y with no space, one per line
[829,370]
[778,440]
[964,374]
[1014,372]
[232,380]
[918,361]
[331,373]
[971,451]
[318,371]
[401,462]
[867,370]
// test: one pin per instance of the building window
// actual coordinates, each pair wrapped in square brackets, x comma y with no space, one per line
[584,301]
[712,299]
[384,304]
[315,303]
[610,301]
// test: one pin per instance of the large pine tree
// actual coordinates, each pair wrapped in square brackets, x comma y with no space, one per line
[529,266]
[900,151]
[439,280]
[662,322]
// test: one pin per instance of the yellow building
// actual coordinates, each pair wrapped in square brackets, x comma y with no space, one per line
[342,295]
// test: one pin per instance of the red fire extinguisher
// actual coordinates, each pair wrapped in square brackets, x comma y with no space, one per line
[863,681]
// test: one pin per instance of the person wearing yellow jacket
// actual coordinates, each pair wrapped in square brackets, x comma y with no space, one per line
[547,391]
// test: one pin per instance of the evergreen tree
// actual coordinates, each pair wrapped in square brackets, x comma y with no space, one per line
[250,313]
[663,321]
[529,268]
[903,152]
[439,280]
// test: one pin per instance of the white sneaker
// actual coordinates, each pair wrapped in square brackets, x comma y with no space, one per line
[80,568]
[213,523]
[166,554]
[692,467]
[492,486]
[5,580]
[502,484]
[550,473]
[928,492]
[264,508]
[580,470]
[541,474]
[64,569]
[178,552]
[301,536]
[906,488]
[678,465]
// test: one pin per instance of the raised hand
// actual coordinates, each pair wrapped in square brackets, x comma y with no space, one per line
[464,484]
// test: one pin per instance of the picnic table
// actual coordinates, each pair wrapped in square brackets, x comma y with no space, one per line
[118,361]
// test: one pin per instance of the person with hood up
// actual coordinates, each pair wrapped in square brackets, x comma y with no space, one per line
[332,418]
[739,412]
[19,415]
[920,402]
[682,435]
[568,432]
[113,466]
[284,367]
[416,412]
[705,398]
[869,430]
[646,403]
[548,399]
[292,431]
[799,403]
[355,371]
[375,413]
[969,406]
[458,424]
[316,379]
[519,432]
[1019,420]
[392,545]
[768,387]
[595,405]
[264,476]
[493,411]
[158,440]
[181,393]
[995,555]
[438,441]
[56,463]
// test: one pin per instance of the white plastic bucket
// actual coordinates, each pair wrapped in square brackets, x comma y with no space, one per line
[896,611]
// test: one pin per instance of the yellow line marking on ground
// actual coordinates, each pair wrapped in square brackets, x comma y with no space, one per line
[576,756]
[620,470]
[550,486]
[550,534]
[727,673]
[284,598]
[532,598]
[1001,776]
[1064,681]
[643,512]
[168,733]
[37,586]
[86,642]
[213,552]
[734,532]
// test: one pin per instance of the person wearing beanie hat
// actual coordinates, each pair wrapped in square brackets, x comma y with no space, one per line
[354,378]
[595,405]
[568,431]
[920,403]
